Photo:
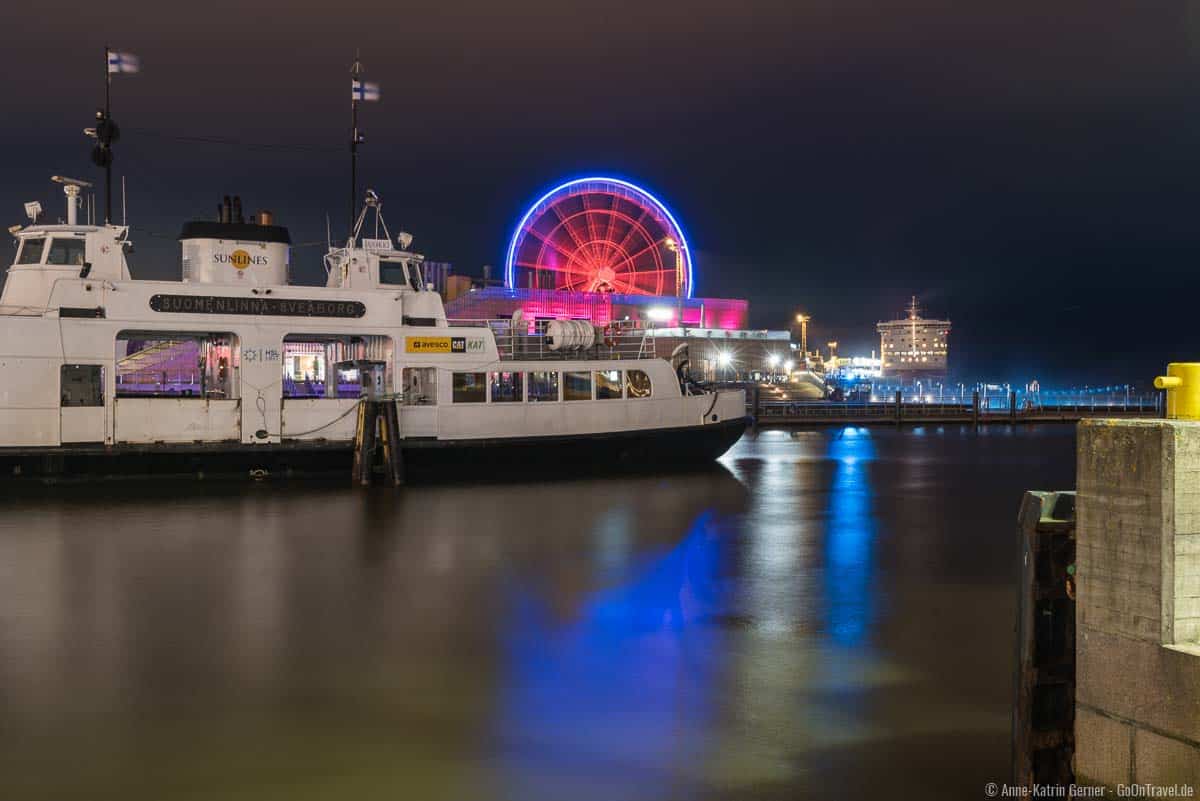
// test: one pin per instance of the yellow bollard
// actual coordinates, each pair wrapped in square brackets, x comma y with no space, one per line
[1182,383]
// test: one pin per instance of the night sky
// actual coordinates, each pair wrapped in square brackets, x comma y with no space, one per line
[1028,169]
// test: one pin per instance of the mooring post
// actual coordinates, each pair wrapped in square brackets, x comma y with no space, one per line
[364,441]
[1043,717]
[1012,406]
[393,459]
[899,406]
[975,409]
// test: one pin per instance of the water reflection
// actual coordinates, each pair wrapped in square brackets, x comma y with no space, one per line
[626,685]
[850,536]
[773,629]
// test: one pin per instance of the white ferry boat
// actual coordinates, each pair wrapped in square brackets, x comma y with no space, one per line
[234,371]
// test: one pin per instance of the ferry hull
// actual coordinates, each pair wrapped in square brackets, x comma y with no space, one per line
[424,459]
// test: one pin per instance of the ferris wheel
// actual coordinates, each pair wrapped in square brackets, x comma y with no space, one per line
[600,235]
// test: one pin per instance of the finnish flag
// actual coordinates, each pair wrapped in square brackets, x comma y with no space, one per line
[360,90]
[123,62]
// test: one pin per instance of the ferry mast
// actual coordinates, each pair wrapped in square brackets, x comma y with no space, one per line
[355,139]
[360,91]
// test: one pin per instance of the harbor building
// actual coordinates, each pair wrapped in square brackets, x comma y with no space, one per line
[913,346]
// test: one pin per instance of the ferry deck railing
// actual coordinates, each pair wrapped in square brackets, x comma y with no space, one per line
[527,341]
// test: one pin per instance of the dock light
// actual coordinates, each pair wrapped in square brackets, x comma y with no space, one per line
[659,314]
[788,365]
[773,361]
[724,358]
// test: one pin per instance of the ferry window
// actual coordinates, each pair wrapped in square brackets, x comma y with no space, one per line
[577,386]
[543,387]
[507,387]
[82,385]
[154,364]
[66,251]
[608,384]
[31,251]
[468,388]
[637,384]
[392,272]
[304,369]
[420,386]
[326,365]
[414,275]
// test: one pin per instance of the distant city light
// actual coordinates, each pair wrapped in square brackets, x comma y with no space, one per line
[659,314]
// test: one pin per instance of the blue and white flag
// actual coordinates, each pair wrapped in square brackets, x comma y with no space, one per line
[360,90]
[123,62]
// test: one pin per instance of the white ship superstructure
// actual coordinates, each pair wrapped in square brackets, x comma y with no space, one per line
[913,346]
[234,369]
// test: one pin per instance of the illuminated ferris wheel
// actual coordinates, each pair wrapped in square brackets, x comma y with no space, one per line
[600,235]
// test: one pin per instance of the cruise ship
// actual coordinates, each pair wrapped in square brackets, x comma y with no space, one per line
[235,371]
[913,346]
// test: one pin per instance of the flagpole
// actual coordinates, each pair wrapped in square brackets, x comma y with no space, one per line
[108,162]
[355,72]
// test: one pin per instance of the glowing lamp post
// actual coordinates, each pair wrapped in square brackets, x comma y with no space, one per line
[803,320]
[773,363]
[724,360]
[673,246]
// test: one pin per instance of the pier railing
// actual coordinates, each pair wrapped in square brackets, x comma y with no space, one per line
[849,412]
[530,341]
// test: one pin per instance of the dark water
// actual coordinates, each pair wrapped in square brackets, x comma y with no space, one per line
[828,615]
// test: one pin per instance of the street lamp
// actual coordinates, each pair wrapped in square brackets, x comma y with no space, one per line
[724,359]
[803,320]
[773,363]
[673,246]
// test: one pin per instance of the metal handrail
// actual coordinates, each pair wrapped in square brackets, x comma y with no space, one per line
[516,341]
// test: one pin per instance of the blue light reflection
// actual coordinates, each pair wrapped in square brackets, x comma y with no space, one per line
[850,538]
[630,674]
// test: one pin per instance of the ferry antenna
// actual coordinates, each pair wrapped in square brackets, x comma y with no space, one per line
[355,138]
[107,120]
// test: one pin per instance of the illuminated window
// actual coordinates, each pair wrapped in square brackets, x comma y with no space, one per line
[543,387]
[326,365]
[420,386]
[469,388]
[155,364]
[637,384]
[608,385]
[507,387]
[577,386]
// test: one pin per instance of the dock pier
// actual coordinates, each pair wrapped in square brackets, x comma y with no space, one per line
[898,412]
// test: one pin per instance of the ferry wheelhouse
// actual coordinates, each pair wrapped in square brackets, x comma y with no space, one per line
[233,370]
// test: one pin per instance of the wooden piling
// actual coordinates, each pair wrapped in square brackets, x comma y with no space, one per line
[1043,718]
[377,443]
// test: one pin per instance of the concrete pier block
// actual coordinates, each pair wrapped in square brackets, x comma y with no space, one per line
[1161,760]
[1103,749]
[1138,601]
